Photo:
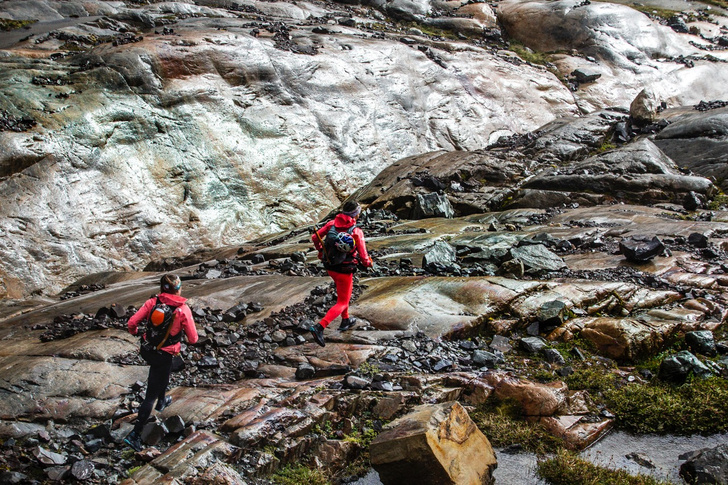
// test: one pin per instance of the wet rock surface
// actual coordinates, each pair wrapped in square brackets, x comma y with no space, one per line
[496,243]
[425,335]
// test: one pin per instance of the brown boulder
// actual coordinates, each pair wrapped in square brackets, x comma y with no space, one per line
[435,444]
[535,399]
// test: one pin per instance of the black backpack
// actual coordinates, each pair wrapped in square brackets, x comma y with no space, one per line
[159,324]
[339,250]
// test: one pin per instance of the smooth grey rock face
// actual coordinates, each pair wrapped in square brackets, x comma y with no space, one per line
[211,135]
[215,132]
[698,141]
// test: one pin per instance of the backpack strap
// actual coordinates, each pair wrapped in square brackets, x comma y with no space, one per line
[166,335]
[323,247]
[169,327]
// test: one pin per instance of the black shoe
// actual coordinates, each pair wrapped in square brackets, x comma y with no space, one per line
[346,324]
[134,440]
[163,403]
[318,334]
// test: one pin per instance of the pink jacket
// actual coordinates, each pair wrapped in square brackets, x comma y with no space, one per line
[343,222]
[182,319]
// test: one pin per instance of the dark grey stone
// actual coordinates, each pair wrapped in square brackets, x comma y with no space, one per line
[501,344]
[13,478]
[440,252]
[565,371]
[483,358]
[174,424]
[553,356]
[551,314]
[585,75]
[640,250]
[153,433]
[701,342]
[82,470]
[709,465]
[538,258]
[676,368]
[698,240]
[355,382]
[383,386]
[691,201]
[92,446]
[532,345]
[305,371]
[54,473]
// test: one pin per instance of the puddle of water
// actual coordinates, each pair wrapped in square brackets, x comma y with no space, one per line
[9,39]
[662,451]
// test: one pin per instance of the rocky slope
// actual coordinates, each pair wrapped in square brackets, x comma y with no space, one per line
[134,131]
[464,303]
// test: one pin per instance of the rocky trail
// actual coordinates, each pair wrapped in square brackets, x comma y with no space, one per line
[543,185]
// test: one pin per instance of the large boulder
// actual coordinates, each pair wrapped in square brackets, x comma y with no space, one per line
[638,171]
[433,445]
[603,29]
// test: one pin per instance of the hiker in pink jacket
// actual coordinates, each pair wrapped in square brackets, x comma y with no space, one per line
[166,319]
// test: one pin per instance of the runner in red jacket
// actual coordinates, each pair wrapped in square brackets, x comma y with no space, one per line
[160,361]
[342,273]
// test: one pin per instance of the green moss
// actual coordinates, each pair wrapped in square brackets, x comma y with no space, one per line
[697,406]
[131,471]
[650,11]
[543,375]
[503,424]
[566,468]
[8,24]
[718,202]
[127,454]
[594,380]
[363,439]
[368,369]
[300,475]
[529,55]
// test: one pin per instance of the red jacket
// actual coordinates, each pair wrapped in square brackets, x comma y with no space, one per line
[343,222]
[182,319]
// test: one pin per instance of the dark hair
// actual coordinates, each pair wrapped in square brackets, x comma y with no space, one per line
[170,283]
[350,206]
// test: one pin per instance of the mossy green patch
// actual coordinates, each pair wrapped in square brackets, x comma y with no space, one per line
[529,55]
[594,380]
[566,468]
[697,406]
[503,424]
[9,24]
[719,202]
[655,12]
[300,475]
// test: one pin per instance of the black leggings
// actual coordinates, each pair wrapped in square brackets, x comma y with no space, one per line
[159,370]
